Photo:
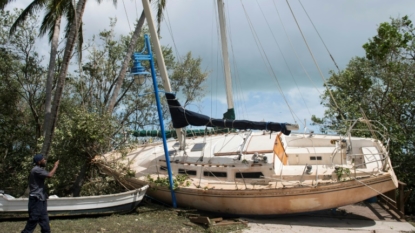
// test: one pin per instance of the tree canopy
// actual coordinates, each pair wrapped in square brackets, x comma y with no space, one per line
[85,128]
[380,87]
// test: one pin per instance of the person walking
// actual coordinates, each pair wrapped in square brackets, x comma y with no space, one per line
[38,213]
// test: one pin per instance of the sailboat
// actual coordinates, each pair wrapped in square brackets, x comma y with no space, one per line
[258,168]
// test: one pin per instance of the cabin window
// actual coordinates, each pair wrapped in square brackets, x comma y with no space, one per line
[215,174]
[163,168]
[249,175]
[315,158]
[187,172]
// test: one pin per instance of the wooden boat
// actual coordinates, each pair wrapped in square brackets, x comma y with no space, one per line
[275,174]
[261,168]
[125,202]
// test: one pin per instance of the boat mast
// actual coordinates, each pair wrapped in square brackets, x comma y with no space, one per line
[230,114]
[160,60]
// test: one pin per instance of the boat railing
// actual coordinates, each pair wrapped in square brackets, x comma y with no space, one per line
[370,129]
[383,160]
[333,155]
[242,146]
[307,169]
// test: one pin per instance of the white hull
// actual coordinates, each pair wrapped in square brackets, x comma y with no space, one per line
[69,206]
[278,184]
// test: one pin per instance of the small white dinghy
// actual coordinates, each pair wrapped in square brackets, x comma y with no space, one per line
[11,207]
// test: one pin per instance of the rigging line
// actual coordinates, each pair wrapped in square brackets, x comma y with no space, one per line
[285,60]
[332,58]
[262,53]
[235,74]
[377,191]
[295,51]
[169,28]
[269,67]
[128,21]
[315,62]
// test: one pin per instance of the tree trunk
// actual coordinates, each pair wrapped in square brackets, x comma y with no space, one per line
[121,76]
[76,188]
[51,74]
[70,44]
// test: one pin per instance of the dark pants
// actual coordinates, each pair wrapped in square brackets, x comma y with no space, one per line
[38,213]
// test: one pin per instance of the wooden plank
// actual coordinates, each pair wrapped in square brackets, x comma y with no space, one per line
[196,164]
[226,153]
[391,205]
[401,202]
[258,151]
[200,219]
[216,219]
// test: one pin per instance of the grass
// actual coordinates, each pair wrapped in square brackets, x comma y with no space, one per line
[148,217]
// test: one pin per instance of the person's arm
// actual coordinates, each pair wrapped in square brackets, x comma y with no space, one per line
[52,172]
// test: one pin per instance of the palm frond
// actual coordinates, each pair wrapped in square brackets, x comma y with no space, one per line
[161,4]
[33,6]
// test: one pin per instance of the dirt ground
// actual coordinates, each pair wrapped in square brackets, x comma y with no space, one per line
[150,217]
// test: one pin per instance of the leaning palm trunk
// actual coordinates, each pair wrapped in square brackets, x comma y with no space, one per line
[70,44]
[125,64]
[51,73]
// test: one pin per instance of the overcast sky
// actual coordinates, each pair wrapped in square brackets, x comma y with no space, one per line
[262,57]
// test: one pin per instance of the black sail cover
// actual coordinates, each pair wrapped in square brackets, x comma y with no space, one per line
[182,118]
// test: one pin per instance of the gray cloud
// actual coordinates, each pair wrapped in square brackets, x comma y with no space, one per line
[345,25]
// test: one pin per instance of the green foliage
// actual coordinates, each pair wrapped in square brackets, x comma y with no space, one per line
[178,181]
[21,94]
[342,171]
[80,137]
[188,78]
[84,129]
[380,86]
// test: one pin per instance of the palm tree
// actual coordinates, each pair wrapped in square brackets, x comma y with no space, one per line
[73,33]
[161,4]
[51,22]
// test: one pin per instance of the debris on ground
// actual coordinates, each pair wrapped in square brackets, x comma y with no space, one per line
[204,220]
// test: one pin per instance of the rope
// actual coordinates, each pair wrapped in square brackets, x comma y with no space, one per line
[383,195]
[332,58]
[263,54]
[285,60]
[169,28]
[128,21]
[315,62]
[293,48]
[235,75]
